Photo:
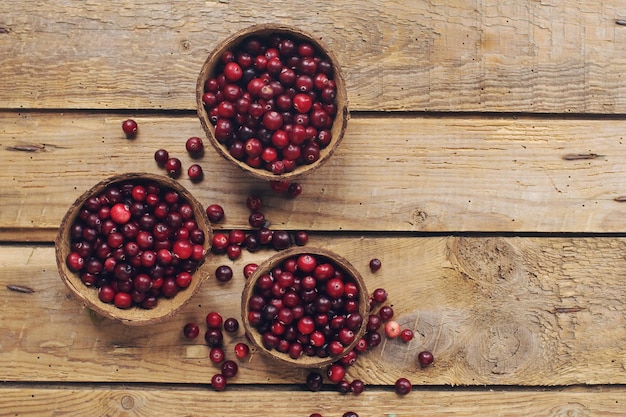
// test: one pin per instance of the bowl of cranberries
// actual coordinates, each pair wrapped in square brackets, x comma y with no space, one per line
[305,306]
[272,100]
[132,248]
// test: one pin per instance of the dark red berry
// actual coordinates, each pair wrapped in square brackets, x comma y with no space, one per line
[194,146]
[129,127]
[403,386]
[215,213]
[194,172]
[223,273]
[375,264]
[173,166]
[229,368]
[191,330]
[161,156]
[231,325]
[425,358]
[218,382]
[314,381]
[406,335]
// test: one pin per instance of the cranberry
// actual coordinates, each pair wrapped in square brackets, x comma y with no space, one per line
[173,166]
[194,146]
[232,72]
[75,262]
[343,387]
[122,300]
[281,240]
[403,386]
[301,238]
[249,269]
[386,313]
[129,127]
[194,172]
[350,414]
[241,350]
[256,219]
[231,325]
[375,265]
[406,335]
[294,189]
[392,329]
[215,213]
[335,372]
[314,381]
[214,320]
[229,368]
[279,186]
[425,358]
[254,203]
[216,354]
[213,337]
[218,382]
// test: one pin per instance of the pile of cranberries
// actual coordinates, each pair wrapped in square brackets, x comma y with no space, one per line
[306,305]
[135,242]
[272,102]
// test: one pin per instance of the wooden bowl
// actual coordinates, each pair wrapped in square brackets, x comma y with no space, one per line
[350,273]
[264,31]
[134,316]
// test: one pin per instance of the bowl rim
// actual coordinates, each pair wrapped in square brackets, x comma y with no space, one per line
[133,316]
[340,121]
[303,361]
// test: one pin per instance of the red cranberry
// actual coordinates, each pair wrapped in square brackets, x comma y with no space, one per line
[375,265]
[194,146]
[216,354]
[379,295]
[281,240]
[425,358]
[194,172]
[218,382]
[229,368]
[301,238]
[314,381]
[231,325]
[241,350]
[215,213]
[403,386]
[213,337]
[406,335]
[335,372]
[173,166]
[392,329]
[214,320]
[386,313]
[249,269]
[129,127]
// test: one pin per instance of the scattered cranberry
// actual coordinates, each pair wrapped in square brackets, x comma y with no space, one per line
[214,320]
[231,325]
[215,213]
[392,329]
[350,414]
[216,354]
[375,264]
[301,238]
[213,337]
[229,368]
[218,382]
[241,350]
[343,387]
[403,386]
[129,127]
[191,330]
[173,167]
[425,358]
[161,156]
[254,203]
[194,146]
[386,313]
[223,273]
[314,381]
[406,335]
[357,386]
[335,372]
[379,295]
[195,173]
[279,186]
[294,189]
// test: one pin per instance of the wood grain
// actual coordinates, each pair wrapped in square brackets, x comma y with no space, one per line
[492,55]
[433,174]
[201,401]
[493,310]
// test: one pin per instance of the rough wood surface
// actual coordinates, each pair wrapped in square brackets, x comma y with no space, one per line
[492,55]
[433,174]
[494,311]
[79,401]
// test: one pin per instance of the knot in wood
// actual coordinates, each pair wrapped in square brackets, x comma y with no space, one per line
[127,402]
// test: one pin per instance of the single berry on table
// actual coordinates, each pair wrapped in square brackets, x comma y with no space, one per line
[129,127]
[425,358]
[403,386]
[191,330]
[375,264]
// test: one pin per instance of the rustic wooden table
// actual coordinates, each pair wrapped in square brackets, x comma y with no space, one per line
[482,164]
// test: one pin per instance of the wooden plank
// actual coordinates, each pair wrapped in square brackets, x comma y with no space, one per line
[413,173]
[493,55]
[197,401]
[494,311]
